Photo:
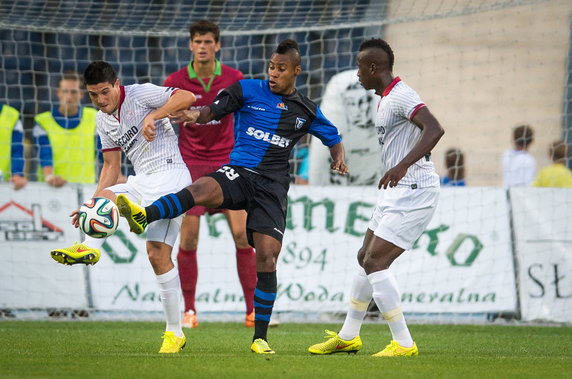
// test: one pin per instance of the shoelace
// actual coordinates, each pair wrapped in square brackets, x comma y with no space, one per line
[329,334]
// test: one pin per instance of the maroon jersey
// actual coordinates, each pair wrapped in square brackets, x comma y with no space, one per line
[212,142]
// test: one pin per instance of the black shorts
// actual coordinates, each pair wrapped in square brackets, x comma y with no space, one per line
[264,199]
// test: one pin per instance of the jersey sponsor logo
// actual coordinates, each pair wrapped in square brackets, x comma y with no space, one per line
[273,139]
[230,173]
[299,122]
[256,108]
[127,136]
[282,106]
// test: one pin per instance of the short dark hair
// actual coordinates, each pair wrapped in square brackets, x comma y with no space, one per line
[99,72]
[558,151]
[289,46]
[204,27]
[455,163]
[70,75]
[378,43]
[523,135]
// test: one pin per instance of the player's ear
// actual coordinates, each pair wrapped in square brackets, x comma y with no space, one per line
[373,67]
[117,82]
[297,70]
[217,47]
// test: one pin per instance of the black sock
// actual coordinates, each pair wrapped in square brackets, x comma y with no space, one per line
[264,297]
[170,206]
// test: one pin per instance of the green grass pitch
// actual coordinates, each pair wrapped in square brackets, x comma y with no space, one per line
[69,349]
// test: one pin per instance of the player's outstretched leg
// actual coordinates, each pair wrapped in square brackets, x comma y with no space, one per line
[168,206]
[133,213]
[334,344]
[87,252]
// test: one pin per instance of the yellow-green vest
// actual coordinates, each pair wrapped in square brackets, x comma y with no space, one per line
[73,150]
[8,119]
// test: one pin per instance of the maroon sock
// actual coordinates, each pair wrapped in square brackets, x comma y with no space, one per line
[246,266]
[188,272]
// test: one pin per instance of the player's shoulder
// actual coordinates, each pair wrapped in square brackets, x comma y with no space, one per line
[402,88]
[177,76]
[231,72]
[253,86]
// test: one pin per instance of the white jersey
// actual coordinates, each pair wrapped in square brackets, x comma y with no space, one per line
[397,134]
[352,110]
[519,168]
[122,130]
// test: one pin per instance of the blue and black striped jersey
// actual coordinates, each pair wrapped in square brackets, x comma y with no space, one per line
[267,126]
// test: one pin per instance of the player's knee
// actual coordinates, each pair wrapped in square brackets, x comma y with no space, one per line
[159,258]
[189,241]
[372,263]
[361,256]
[266,261]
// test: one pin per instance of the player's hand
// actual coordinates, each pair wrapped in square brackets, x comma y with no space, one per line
[392,177]
[340,167]
[18,181]
[149,131]
[186,117]
[75,218]
[55,181]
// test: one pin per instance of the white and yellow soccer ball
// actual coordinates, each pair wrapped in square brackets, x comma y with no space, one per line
[98,217]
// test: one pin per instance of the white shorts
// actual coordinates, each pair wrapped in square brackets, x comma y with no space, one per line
[145,189]
[402,214]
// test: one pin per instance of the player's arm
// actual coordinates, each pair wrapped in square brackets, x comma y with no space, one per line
[432,132]
[322,128]
[179,100]
[226,102]
[337,152]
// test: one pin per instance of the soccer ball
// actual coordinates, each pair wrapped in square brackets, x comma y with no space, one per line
[98,217]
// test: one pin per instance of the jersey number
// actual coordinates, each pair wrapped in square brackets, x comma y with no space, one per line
[229,172]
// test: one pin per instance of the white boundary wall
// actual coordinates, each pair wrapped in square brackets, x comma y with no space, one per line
[463,263]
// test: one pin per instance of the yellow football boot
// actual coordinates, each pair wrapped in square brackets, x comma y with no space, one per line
[172,344]
[335,344]
[396,350]
[133,213]
[259,346]
[78,253]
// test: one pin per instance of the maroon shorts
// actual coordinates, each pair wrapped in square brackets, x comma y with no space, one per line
[198,171]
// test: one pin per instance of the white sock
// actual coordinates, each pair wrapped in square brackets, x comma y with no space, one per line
[94,243]
[360,297]
[387,297]
[170,293]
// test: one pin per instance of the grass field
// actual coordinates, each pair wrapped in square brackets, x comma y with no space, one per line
[214,350]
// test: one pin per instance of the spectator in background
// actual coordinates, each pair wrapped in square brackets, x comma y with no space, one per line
[557,174]
[205,148]
[66,137]
[12,147]
[455,164]
[519,166]
[300,161]
[352,110]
